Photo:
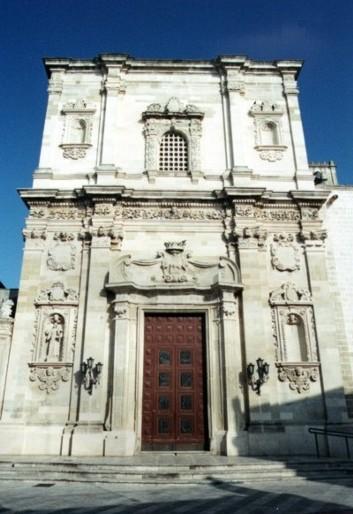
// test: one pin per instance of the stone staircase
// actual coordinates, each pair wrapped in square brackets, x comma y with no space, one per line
[175,469]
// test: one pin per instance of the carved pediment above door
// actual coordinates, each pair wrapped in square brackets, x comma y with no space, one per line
[173,269]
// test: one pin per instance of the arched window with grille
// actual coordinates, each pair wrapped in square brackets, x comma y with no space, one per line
[173,153]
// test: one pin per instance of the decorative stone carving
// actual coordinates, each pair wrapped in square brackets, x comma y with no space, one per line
[103,209]
[173,268]
[54,338]
[174,264]
[174,116]
[35,233]
[172,212]
[61,257]
[37,212]
[114,234]
[57,294]
[313,237]
[49,376]
[6,307]
[77,131]
[288,293]
[299,376]
[251,237]
[285,252]
[121,310]
[273,155]
[54,331]
[270,214]
[229,310]
[66,212]
[295,335]
[63,236]
[268,137]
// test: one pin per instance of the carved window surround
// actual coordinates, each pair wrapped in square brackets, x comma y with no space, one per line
[77,132]
[173,117]
[293,306]
[268,131]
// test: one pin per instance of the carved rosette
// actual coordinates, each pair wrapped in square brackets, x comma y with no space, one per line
[285,252]
[298,375]
[50,375]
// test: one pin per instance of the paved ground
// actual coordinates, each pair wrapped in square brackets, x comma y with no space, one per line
[288,497]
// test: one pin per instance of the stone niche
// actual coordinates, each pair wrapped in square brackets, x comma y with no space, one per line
[53,337]
[294,332]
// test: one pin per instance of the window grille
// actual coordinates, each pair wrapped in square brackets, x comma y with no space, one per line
[173,153]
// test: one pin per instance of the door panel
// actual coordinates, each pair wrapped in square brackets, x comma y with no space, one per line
[174,399]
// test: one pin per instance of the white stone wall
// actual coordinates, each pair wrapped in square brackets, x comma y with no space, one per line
[117,96]
[338,219]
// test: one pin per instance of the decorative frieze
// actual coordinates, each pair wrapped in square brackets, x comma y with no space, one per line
[172,212]
[298,375]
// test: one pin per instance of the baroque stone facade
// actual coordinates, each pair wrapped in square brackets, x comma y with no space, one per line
[172,240]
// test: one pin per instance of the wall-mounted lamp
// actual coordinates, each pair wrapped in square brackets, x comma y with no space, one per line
[91,374]
[263,370]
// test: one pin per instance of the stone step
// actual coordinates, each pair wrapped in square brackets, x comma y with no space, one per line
[137,471]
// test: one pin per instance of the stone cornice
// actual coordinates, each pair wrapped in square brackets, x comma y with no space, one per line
[97,193]
[124,61]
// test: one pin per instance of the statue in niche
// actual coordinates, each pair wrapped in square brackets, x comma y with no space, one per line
[54,338]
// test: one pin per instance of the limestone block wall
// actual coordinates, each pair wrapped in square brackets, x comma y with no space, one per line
[338,216]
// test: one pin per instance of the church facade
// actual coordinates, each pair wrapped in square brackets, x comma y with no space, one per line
[178,270]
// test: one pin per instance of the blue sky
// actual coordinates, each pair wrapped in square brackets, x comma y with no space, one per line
[320,32]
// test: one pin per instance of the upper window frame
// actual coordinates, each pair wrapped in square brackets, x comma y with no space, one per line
[174,116]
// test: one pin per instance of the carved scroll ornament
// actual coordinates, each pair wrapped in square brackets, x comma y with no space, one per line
[298,375]
[49,377]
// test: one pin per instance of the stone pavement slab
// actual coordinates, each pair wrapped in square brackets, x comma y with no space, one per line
[288,496]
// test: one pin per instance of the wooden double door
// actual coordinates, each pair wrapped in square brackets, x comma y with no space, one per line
[174,386]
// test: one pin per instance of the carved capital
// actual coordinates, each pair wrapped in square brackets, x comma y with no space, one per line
[252,237]
[313,237]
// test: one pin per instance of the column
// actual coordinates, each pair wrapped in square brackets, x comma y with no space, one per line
[121,439]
